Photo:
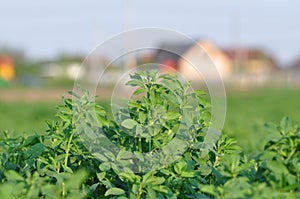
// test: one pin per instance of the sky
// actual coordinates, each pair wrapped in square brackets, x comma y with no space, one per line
[44,29]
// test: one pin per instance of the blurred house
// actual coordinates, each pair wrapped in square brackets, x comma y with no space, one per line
[293,72]
[7,70]
[94,67]
[204,60]
[251,60]
[169,54]
[295,66]
[85,70]
[70,70]
[211,62]
[200,60]
[50,70]
[252,66]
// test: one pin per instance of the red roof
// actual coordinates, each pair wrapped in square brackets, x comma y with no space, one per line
[5,59]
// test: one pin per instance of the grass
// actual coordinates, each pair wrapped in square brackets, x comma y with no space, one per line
[247,112]
[26,117]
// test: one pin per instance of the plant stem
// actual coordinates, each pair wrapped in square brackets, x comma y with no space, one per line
[63,189]
[68,150]
[140,145]
[140,191]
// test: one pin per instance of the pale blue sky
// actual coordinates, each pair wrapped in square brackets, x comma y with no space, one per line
[49,27]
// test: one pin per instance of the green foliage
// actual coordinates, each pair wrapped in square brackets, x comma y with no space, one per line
[58,164]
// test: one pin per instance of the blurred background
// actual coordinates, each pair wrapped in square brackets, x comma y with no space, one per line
[254,44]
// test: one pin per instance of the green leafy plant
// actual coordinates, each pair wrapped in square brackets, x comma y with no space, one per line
[60,164]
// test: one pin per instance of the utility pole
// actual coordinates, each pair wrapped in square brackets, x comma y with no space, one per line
[236,41]
[129,43]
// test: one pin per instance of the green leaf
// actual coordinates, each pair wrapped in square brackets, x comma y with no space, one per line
[210,189]
[142,117]
[101,175]
[92,118]
[244,166]
[204,169]
[33,192]
[62,116]
[129,123]
[76,180]
[180,167]
[124,155]
[267,155]
[30,140]
[67,169]
[131,177]
[151,194]
[134,189]
[158,180]
[138,131]
[135,82]
[114,191]
[104,166]
[284,125]
[274,135]
[136,76]
[35,151]
[172,115]
[100,157]
[93,187]
[140,90]
[139,155]
[150,179]
[277,167]
[161,188]
[237,188]
[13,176]
[188,174]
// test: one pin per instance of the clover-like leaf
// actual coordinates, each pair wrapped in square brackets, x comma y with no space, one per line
[129,123]
[114,191]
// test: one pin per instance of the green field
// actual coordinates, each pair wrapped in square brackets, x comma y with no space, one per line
[247,112]
[26,117]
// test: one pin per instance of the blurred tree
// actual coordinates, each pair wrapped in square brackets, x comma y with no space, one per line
[16,54]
